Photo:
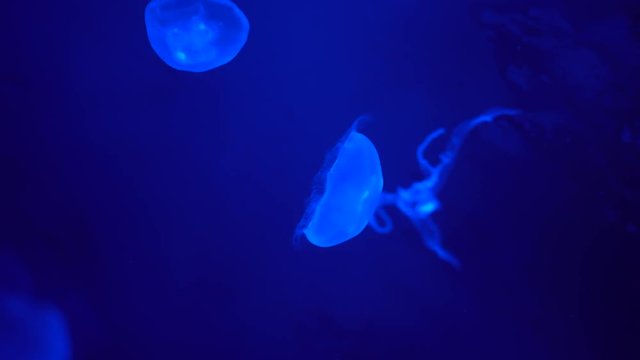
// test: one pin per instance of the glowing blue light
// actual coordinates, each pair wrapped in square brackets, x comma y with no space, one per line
[30,330]
[348,192]
[196,35]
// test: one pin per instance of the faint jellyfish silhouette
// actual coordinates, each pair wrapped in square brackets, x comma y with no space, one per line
[418,201]
[31,330]
[196,35]
[346,192]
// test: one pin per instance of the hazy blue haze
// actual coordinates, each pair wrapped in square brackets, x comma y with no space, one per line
[154,208]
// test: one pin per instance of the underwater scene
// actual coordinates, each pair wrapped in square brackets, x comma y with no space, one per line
[310,180]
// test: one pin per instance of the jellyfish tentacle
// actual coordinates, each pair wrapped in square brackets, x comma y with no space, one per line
[448,156]
[425,165]
[433,240]
[386,199]
[384,227]
[418,201]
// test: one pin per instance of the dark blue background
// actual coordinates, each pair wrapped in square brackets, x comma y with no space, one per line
[156,207]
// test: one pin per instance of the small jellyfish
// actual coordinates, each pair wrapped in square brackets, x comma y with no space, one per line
[346,194]
[196,35]
[31,330]
[353,197]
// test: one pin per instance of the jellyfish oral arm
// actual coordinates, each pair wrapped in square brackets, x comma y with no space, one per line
[431,172]
[433,240]
[419,201]
[386,226]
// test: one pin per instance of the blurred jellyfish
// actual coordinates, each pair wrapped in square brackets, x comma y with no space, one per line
[350,193]
[347,192]
[196,35]
[31,330]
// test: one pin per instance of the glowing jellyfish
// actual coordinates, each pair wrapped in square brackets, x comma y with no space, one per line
[336,216]
[196,35]
[347,192]
[30,330]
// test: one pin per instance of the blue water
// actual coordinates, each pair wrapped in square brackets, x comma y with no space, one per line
[154,208]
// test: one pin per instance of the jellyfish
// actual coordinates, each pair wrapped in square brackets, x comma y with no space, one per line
[32,330]
[196,35]
[344,214]
[347,191]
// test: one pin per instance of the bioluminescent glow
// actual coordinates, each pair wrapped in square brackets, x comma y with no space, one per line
[352,197]
[31,330]
[347,192]
[196,35]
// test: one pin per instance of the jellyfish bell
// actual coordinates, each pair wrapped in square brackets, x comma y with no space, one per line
[348,192]
[196,35]
[32,330]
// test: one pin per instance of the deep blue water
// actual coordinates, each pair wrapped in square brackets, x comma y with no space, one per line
[155,208]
